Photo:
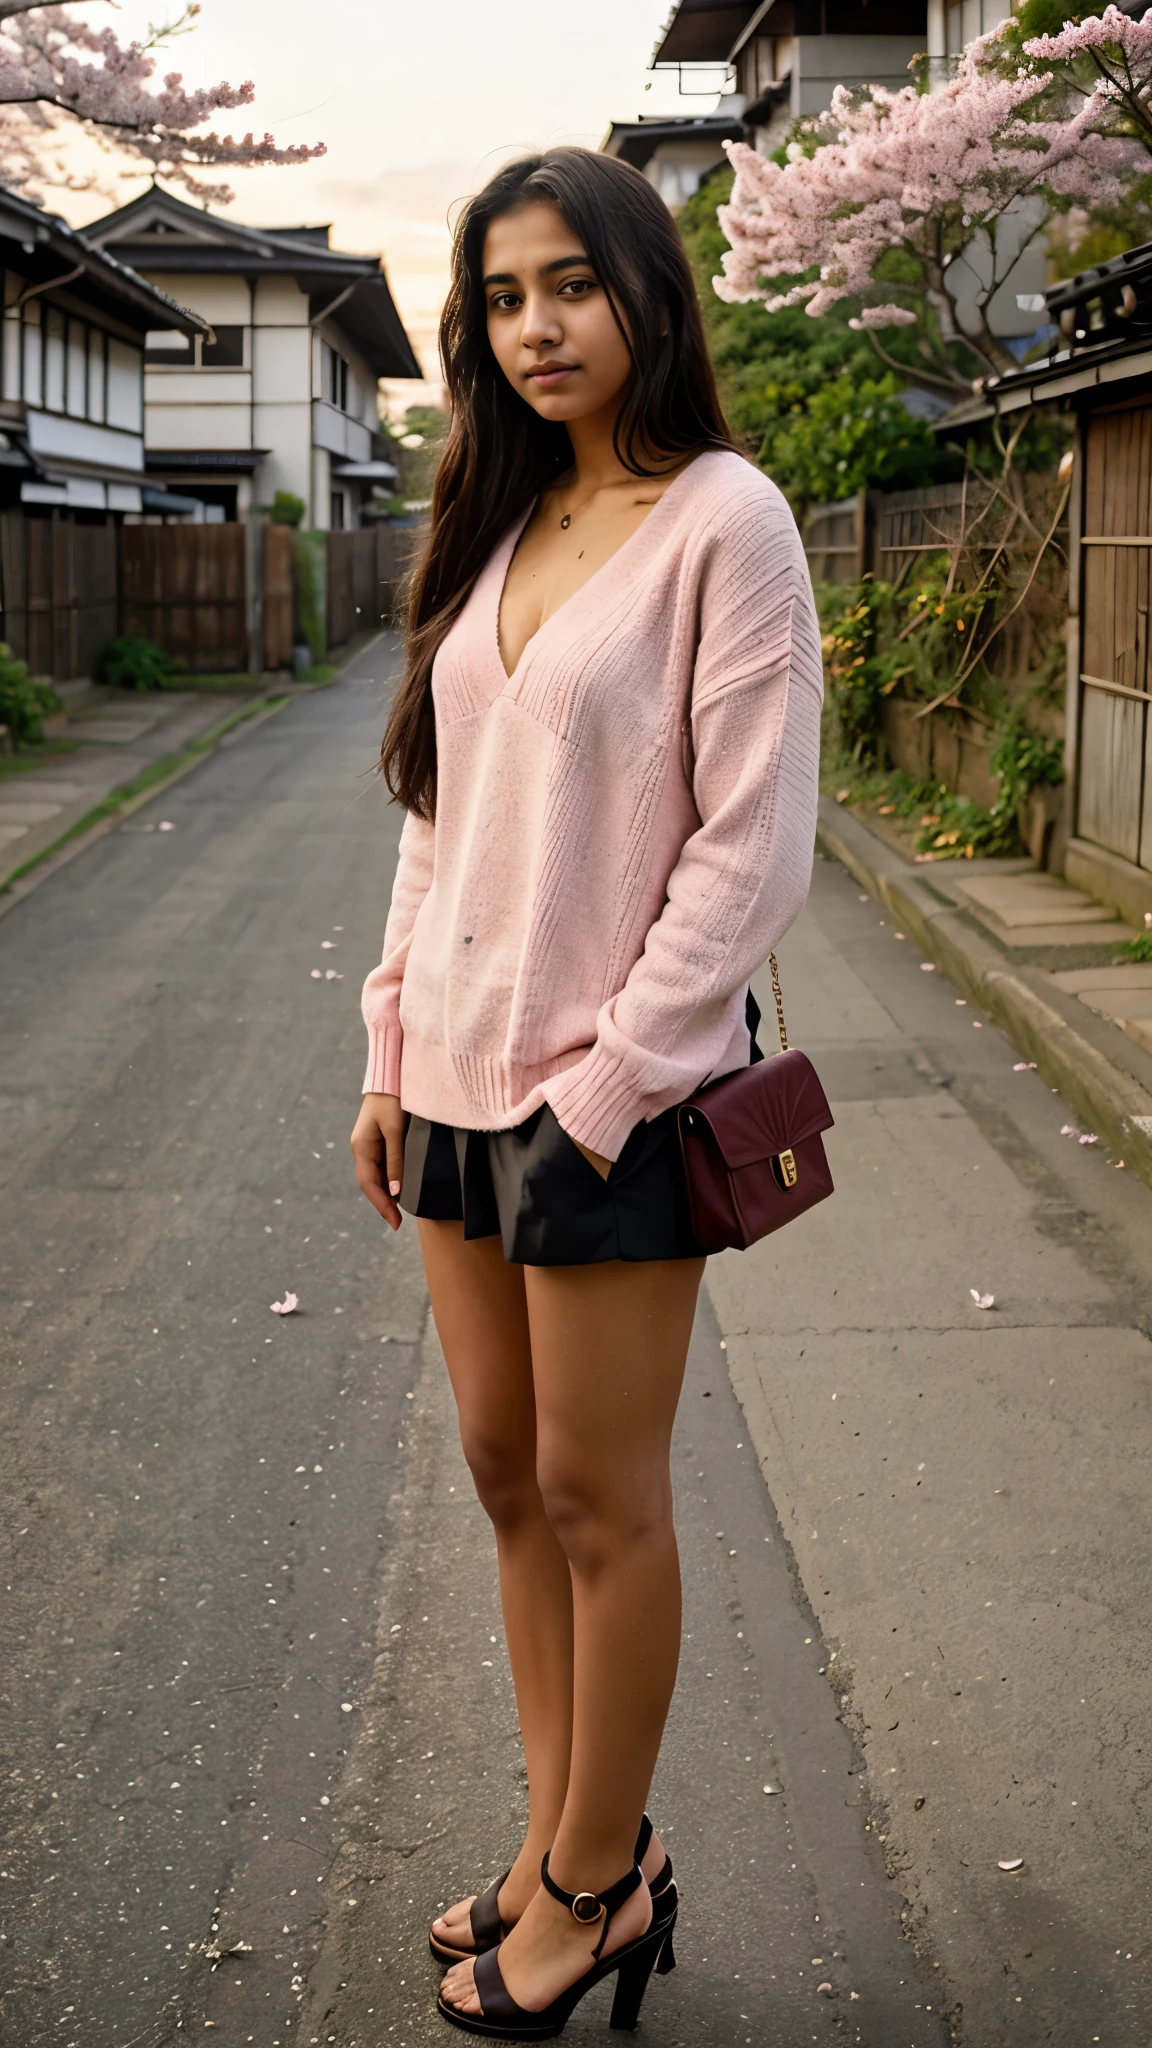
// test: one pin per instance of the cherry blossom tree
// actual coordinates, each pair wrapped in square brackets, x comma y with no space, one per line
[56,68]
[878,197]
[1105,61]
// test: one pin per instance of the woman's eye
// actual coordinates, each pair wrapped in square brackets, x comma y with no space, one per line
[504,301]
[578,286]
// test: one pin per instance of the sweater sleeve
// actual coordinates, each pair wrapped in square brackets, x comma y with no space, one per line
[743,875]
[380,1001]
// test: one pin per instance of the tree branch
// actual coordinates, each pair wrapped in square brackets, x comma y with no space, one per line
[952,387]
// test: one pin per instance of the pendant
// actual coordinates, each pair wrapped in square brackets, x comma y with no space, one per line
[566,521]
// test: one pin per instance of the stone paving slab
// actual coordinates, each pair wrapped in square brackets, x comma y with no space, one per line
[1101,1066]
[1019,904]
[1129,974]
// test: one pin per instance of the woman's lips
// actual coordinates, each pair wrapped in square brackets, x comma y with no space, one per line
[550,374]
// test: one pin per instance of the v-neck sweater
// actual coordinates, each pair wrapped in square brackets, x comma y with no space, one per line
[624,826]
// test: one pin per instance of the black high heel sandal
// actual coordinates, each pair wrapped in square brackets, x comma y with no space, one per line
[502,2018]
[488,1930]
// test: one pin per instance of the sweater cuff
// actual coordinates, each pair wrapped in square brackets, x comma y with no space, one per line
[597,1102]
[385,1043]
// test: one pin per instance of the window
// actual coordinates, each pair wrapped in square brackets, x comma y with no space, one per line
[64,364]
[336,513]
[169,350]
[53,359]
[166,345]
[335,379]
[95,374]
[226,352]
[77,369]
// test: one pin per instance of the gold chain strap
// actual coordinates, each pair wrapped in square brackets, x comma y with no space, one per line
[779,1002]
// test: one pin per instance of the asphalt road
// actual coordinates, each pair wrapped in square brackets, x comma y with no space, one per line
[234,1793]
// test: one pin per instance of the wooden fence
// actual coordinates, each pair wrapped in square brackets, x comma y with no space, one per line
[67,587]
[279,610]
[185,588]
[835,540]
[362,577]
[58,591]
[885,532]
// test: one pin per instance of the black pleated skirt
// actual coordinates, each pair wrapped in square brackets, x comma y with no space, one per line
[533,1188]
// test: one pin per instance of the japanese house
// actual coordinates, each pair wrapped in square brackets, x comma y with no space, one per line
[1099,369]
[281,393]
[72,462]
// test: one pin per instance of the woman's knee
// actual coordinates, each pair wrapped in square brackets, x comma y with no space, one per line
[598,1515]
[503,1470]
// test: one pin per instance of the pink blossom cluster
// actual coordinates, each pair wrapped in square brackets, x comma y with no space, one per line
[921,172]
[1100,32]
[54,63]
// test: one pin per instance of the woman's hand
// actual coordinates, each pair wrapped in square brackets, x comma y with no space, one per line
[378,1149]
[603,1166]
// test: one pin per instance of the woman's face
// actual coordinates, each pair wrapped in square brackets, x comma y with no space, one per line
[551,327]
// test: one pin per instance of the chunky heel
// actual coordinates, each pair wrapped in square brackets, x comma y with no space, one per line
[667,1958]
[631,1984]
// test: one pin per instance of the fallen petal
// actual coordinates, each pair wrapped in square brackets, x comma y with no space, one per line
[285,1307]
[327,945]
[1069,1131]
[1024,1067]
[927,967]
[1089,1138]
[330,974]
[1010,1863]
[826,1989]
[316,974]
[982,1300]
[842,795]
[165,825]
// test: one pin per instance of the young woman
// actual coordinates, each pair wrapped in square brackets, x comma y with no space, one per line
[606,744]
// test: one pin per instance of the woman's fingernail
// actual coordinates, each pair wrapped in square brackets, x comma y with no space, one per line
[393,1187]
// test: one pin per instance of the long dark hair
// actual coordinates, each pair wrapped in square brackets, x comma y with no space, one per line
[500,454]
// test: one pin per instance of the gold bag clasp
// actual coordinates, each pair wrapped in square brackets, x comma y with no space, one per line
[789,1171]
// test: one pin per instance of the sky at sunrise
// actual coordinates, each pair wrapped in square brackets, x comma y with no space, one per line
[417,100]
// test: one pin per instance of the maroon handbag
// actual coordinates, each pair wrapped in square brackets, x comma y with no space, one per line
[752,1146]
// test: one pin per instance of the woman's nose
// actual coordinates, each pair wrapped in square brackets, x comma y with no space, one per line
[541,323]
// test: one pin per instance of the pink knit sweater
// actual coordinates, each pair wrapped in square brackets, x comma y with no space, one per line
[624,827]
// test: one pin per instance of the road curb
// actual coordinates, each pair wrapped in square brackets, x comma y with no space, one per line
[1108,1099]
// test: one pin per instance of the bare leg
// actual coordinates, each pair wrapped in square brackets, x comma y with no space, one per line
[482,1319]
[609,1344]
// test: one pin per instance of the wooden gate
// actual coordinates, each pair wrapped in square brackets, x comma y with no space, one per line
[185,589]
[58,591]
[279,542]
[1114,781]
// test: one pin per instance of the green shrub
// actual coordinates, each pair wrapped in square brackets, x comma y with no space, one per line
[287,509]
[1024,761]
[131,663]
[24,700]
[311,563]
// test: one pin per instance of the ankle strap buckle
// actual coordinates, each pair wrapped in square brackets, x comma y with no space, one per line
[586,1908]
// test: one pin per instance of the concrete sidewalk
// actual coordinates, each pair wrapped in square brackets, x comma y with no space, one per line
[1039,959]
[963,1487]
